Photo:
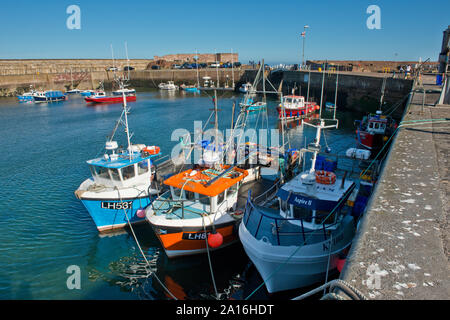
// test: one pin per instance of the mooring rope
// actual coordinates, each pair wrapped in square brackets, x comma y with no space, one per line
[209,259]
[140,249]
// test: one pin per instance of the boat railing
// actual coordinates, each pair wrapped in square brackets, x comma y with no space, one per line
[282,231]
[268,194]
[158,205]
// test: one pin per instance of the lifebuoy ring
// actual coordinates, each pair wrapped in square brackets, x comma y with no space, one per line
[151,149]
[325,177]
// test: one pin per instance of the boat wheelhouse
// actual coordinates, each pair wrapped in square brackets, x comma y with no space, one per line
[305,232]
[199,201]
[295,107]
[120,185]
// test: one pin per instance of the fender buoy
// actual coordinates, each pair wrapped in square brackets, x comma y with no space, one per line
[140,213]
[325,177]
[215,239]
[151,149]
[340,264]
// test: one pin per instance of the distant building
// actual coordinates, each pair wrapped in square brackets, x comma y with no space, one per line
[202,57]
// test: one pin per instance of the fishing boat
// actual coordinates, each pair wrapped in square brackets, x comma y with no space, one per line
[121,183]
[201,202]
[101,97]
[246,87]
[374,130]
[329,105]
[73,91]
[48,96]
[87,93]
[250,105]
[295,107]
[170,85]
[192,88]
[299,241]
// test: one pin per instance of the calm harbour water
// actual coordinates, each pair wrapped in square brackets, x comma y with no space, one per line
[44,228]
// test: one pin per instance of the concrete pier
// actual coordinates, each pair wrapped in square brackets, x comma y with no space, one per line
[401,250]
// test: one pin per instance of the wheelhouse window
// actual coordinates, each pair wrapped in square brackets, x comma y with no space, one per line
[115,174]
[302,213]
[204,200]
[128,172]
[143,167]
[220,197]
[101,172]
[325,217]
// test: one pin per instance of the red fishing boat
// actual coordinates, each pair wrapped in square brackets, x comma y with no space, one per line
[374,130]
[295,107]
[102,98]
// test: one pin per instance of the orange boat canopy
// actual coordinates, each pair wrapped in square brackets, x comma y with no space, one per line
[196,180]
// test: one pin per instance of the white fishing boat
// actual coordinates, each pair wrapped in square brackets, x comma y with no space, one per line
[246,87]
[296,245]
[170,85]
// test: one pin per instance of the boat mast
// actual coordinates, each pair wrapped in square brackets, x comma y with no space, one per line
[126,123]
[216,120]
[196,63]
[309,81]
[383,86]
[335,94]
[263,81]
[128,61]
[316,141]
[321,94]
[232,70]
[217,69]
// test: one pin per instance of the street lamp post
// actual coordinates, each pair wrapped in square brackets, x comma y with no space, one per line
[304,36]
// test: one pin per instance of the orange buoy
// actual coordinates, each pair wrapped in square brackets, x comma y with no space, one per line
[325,177]
[215,239]
[151,149]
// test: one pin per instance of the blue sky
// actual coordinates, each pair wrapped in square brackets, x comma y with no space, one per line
[255,29]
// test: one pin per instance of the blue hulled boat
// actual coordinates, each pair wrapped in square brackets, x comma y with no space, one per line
[49,96]
[121,183]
